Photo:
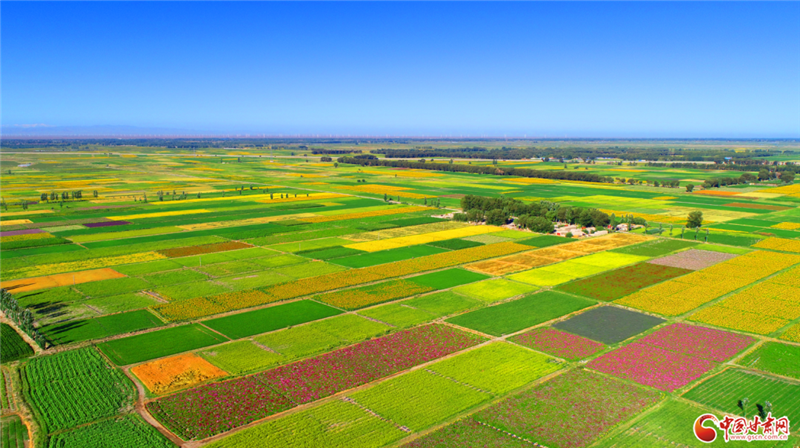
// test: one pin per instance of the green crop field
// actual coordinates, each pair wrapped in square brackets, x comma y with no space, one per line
[13,433]
[242,357]
[129,431]
[496,368]
[448,278]
[419,399]
[398,314]
[666,426]
[280,293]
[727,391]
[338,423]
[100,327]
[74,388]
[522,313]
[387,256]
[269,319]
[12,346]
[159,343]
[774,357]
[494,290]
[443,303]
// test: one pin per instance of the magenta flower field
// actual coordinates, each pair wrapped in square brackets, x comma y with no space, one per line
[324,375]
[671,357]
[706,343]
[106,224]
[652,366]
[558,343]
[20,232]
[218,407]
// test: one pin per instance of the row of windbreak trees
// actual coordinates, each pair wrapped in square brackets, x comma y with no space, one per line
[64,195]
[479,169]
[23,317]
[746,178]
[571,152]
[536,216]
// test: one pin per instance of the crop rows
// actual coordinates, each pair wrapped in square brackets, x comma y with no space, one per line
[74,387]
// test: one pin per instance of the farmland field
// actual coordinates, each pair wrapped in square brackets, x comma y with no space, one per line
[125,431]
[774,357]
[724,392]
[13,433]
[160,343]
[667,427]
[269,319]
[573,409]
[244,296]
[73,388]
[608,324]
[510,317]
[12,346]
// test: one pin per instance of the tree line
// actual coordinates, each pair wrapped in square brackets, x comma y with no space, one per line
[586,153]
[476,169]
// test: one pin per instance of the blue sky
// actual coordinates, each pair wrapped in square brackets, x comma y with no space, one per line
[572,69]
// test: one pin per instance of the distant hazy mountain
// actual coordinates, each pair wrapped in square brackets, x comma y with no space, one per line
[94,131]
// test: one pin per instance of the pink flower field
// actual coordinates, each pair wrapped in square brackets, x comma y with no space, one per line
[652,366]
[558,343]
[693,340]
[673,356]
[324,375]
[217,407]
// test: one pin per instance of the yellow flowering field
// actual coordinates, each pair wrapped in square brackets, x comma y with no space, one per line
[408,231]
[404,173]
[790,278]
[788,189]
[772,300]
[531,180]
[27,212]
[368,295]
[14,222]
[782,244]
[549,255]
[792,334]
[787,225]
[647,217]
[683,294]
[188,309]
[739,320]
[158,214]
[52,281]
[81,265]
[30,236]
[403,241]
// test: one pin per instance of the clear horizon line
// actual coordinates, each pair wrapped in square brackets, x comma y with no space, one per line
[19,136]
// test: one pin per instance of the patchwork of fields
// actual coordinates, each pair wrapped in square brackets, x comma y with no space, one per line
[284,303]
